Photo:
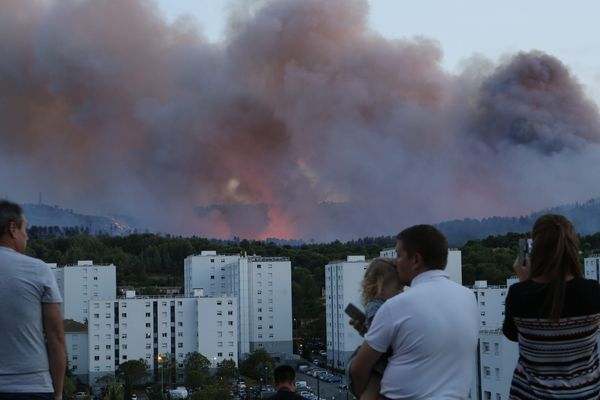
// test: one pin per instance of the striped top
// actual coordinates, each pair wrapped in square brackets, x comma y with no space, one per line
[557,360]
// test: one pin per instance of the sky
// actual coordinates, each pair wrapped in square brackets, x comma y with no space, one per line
[307,119]
[464,28]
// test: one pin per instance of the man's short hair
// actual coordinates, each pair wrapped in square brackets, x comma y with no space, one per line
[9,212]
[284,374]
[429,242]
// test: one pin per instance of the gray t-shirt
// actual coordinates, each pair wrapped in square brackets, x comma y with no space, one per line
[25,283]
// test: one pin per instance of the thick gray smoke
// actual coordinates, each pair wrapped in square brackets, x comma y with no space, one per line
[302,123]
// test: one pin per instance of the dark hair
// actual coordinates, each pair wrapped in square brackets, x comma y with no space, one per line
[554,255]
[429,242]
[9,212]
[284,374]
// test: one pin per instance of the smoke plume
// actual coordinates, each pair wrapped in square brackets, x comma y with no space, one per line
[301,123]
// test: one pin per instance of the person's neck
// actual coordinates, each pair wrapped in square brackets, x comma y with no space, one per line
[546,279]
[7,243]
[286,386]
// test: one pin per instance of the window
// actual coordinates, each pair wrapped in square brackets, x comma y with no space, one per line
[97,347]
[219,354]
[270,326]
[179,345]
[219,313]
[124,357]
[230,354]
[180,334]
[180,323]
[107,305]
[497,349]
[219,302]
[164,345]
[107,315]
[230,302]
[487,372]
[164,334]
[260,327]
[219,334]
[96,358]
[148,314]
[124,305]
[96,315]
[230,344]
[212,277]
[230,323]
[148,346]
[260,335]
[219,344]
[148,335]
[108,357]
[108,347]
[124,336]
[497,373]
[259,309]
[124,346]
[147,324]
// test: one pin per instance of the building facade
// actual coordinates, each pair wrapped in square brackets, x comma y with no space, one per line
[263,288]
[84,281]
[342,286]
[154,329]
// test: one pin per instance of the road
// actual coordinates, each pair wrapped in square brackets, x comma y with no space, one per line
[329,391]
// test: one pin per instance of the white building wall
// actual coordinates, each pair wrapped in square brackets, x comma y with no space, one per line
[148,327]
[498,357]
[342,286]
[80,283]
[591,267]
[262,286]
[77,353]
[453,267]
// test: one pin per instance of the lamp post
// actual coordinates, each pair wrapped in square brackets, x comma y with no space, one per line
[162,368]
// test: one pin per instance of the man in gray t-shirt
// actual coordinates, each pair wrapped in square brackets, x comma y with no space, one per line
[32,343]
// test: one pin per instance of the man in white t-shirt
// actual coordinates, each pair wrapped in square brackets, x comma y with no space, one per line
[432,328]
[32,343]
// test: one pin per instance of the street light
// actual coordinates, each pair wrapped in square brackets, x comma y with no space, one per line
[162,368]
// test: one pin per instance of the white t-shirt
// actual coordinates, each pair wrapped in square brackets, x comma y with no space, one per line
[433,331]
[25,284]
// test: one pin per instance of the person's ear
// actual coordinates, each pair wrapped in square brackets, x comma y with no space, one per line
[418,261]
[12,229]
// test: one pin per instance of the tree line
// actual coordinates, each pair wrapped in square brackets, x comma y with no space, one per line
[147,260]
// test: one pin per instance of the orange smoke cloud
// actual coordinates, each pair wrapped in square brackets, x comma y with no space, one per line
[302,105]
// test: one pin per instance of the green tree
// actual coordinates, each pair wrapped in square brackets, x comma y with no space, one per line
[259,365]
[227,370]
[196,369]
[132,372]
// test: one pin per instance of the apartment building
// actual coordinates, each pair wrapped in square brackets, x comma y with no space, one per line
[453,267]
[133,328]
[263,288]
[85,281]
[76,341]
[591,267]
[497,356]
[342,286]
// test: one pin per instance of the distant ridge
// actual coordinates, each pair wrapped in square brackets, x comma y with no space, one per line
[585,217]
[54,216]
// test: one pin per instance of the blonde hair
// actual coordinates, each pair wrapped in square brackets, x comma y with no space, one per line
[380,272]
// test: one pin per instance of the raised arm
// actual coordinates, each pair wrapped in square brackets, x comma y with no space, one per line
[57,354]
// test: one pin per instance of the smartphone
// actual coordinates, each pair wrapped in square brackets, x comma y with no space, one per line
[355,313]
[525,246]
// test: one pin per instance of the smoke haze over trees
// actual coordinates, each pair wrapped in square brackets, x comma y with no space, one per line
[301,123]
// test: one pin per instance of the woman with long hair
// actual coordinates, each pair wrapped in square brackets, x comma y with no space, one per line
[554,315]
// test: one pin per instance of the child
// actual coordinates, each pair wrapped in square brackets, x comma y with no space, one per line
[379,284]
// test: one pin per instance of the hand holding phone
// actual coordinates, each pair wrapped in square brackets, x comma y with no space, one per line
[355,313]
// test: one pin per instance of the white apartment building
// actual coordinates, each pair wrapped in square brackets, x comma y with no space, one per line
[342,286]
[453,268]
[497,355]
[133,328]
[591,267]
[76,341]
[84,281]
[263,287]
